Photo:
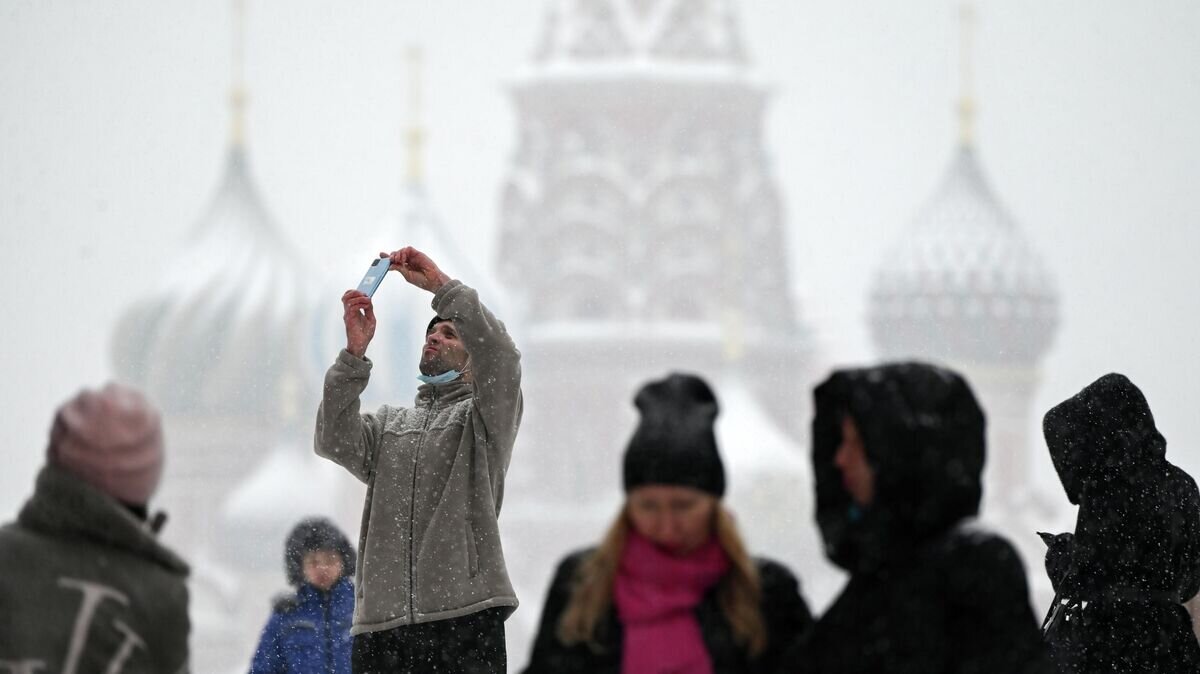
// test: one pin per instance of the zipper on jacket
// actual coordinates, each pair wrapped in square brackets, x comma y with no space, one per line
[328,636]
[412,513]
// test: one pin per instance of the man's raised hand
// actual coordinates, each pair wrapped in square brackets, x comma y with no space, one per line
[359,316]
[417,268]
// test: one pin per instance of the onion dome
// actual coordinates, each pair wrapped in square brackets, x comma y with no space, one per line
[962,283]
[402,311]
[221,330]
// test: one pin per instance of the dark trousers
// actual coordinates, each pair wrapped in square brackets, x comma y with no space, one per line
[472,644]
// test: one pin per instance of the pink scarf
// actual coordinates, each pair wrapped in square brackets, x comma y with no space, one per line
[655,594]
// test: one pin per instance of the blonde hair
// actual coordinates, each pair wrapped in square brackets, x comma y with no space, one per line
[739,591]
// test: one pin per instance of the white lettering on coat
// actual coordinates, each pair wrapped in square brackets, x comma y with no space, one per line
[94,594]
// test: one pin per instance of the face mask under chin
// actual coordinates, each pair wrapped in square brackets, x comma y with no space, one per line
[443,378]
[449,375]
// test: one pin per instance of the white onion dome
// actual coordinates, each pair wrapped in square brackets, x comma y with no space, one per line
[962,282]
[225,325]
[403,311]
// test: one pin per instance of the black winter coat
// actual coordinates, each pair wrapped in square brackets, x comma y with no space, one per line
[1134,557]
[929,593]
[784,611]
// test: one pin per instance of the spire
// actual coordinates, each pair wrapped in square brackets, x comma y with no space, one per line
[966,97]
[733,339]
[237,93]
[414,136]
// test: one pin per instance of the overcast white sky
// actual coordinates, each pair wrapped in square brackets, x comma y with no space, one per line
[113,124]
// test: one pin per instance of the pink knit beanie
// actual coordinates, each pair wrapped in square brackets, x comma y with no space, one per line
[112,439]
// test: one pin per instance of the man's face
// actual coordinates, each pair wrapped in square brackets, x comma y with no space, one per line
[443,350]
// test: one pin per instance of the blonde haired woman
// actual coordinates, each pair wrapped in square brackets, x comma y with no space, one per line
[671,587]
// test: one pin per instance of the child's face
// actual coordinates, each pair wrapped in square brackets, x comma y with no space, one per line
[322,568]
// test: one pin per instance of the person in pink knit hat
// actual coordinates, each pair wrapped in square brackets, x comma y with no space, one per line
[85,585]
[111,439]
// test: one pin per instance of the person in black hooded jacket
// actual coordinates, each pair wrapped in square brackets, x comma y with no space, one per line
[897,455]
[1134,558]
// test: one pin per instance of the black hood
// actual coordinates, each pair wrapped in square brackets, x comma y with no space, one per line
[315,533]
[1100,432]
[924,437]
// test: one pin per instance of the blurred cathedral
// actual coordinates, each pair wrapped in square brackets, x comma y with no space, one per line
[641,231]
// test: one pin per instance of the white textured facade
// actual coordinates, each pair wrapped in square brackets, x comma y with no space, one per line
[642,232]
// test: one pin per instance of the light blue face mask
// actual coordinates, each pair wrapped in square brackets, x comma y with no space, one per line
[447,376]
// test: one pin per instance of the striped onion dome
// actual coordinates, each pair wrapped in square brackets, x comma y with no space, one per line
[962,283]
[225,329]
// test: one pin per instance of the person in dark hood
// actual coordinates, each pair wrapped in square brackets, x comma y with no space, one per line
[1121,578]
[309,630]
[898,452]
[85,584]
[671,588]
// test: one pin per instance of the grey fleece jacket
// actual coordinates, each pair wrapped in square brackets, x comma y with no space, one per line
[429,548]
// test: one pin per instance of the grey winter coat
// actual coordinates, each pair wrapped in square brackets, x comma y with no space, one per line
[429,548]
[86,587]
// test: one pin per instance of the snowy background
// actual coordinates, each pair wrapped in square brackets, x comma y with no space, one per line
[114,122]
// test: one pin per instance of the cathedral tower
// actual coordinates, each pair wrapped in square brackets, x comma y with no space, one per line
[641,229]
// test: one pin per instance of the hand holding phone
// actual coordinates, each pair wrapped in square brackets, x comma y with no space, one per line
[374,276]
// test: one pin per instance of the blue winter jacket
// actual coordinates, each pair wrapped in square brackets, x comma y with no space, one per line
[308,633]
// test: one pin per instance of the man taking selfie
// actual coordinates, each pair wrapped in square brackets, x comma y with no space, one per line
[432,589]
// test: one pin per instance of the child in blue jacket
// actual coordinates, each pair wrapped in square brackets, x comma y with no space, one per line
[309,631]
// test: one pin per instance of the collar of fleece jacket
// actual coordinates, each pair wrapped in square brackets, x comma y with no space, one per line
[444,394]
[923,432]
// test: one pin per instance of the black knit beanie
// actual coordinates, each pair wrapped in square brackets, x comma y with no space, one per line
[315,533]
[434,321]
[674,442]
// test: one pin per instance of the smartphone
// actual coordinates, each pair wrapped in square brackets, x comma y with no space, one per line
[374,275]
